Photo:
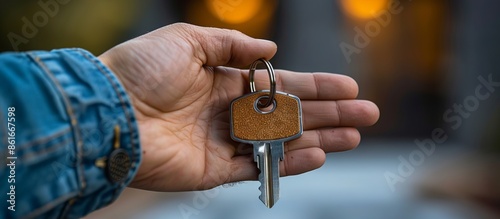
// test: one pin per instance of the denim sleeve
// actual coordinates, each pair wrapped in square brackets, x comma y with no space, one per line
[63,114]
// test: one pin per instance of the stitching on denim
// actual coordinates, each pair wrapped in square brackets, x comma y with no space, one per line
[52,148]
[120,97]
[69,110]
[67,207]
[128,115]
[43,209]
[45,139]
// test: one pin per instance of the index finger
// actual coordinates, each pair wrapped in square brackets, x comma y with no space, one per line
[309,86]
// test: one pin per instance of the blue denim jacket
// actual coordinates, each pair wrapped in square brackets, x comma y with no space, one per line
[59,110]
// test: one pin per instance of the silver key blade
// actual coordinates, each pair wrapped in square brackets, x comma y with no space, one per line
[268,155]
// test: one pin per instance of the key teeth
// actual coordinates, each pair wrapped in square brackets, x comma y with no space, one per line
[268,167]
[262,189]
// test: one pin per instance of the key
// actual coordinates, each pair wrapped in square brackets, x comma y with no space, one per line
[267,129]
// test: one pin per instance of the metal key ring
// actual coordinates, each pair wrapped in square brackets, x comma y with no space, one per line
[272,79]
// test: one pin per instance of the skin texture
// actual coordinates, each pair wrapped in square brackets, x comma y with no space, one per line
[181,79]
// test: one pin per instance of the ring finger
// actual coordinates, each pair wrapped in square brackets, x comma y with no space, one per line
[328,139]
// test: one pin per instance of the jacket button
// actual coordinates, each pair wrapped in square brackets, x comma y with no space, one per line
[118,166]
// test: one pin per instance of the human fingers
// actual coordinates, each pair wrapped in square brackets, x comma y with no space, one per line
[295,162]
[347,113]
[309,86]
[301,161]
[328,139]
[224,47]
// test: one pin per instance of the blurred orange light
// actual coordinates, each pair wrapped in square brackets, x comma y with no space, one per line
[364,9]
[234,11]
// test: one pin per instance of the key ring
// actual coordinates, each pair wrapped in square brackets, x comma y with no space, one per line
[272,79]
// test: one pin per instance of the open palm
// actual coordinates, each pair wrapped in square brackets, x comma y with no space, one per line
[181,82]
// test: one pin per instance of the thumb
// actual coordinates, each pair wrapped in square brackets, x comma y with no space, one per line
[223,47]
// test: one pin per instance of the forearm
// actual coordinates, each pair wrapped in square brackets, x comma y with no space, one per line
[67,106]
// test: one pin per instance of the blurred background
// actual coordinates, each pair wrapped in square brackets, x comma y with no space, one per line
[432,66]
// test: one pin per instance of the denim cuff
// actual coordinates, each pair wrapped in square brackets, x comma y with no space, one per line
[63,151]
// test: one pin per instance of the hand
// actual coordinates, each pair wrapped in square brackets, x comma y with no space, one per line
[181,83]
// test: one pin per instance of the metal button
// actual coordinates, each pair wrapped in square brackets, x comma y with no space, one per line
[118,165]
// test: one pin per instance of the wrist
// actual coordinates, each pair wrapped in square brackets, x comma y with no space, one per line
[106,61]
